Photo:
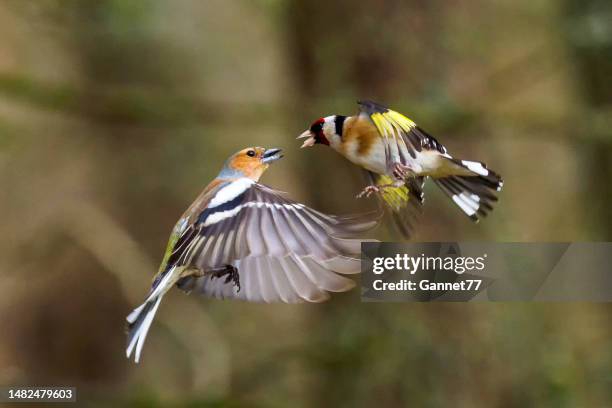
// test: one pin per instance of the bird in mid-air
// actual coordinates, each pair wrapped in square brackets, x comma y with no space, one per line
[241,239]
[397,156]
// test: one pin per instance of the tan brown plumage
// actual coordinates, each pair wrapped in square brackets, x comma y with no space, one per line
[398,156]
[363,132]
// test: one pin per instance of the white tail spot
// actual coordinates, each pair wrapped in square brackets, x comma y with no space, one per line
[476,167]
[463,205]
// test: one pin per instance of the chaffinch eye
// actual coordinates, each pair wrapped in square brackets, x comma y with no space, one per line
[251,153]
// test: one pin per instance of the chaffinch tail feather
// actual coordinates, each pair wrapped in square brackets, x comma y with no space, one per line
[243,240]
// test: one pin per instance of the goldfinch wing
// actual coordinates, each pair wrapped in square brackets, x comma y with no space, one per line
[401,135]
[283,251]
[404,202]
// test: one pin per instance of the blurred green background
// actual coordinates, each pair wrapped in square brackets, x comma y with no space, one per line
[114,114]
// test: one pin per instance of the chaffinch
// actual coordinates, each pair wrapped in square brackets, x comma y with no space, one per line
[397,156]
[241,239]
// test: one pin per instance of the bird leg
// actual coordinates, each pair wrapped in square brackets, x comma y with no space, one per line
[231,273]
[369,190]
[401,171]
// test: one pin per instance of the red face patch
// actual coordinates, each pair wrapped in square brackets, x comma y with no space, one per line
[317,131]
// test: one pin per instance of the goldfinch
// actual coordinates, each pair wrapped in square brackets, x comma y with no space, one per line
[397,156]
[240,239]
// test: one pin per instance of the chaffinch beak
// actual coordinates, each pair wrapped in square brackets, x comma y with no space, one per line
[310,141]
[271,155]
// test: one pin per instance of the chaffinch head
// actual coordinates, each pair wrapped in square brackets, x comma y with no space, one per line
[251,162]
[397,156]
[240,239]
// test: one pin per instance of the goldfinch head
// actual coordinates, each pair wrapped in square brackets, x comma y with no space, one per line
[250,162]
[326,131]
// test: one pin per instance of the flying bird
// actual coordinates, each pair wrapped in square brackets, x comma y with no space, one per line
[397,156]
[244,240]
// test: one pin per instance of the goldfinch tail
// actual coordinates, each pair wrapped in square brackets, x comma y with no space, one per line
[474,190]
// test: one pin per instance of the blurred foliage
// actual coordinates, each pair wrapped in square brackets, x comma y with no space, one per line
[114,114]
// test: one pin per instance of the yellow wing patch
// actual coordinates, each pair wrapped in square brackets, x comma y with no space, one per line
[395,197]
[391,125]
[400,120]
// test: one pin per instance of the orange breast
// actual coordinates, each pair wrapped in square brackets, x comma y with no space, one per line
[252,168]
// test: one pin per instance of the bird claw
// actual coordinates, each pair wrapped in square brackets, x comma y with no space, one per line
[401,172]
[231,274]
[368,191]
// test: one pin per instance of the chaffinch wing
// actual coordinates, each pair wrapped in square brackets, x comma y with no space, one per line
[397,156]
[241,239]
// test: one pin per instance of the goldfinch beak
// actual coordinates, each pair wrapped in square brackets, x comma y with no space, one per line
[272,155]
[310,140]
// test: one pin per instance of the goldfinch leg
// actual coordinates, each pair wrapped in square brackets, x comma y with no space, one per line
[369,190]
[401,172]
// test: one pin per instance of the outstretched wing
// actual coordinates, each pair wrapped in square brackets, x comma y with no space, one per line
[402,137]
[282,250]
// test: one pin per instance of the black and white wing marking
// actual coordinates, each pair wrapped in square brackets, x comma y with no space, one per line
[401,135]
[282,250]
